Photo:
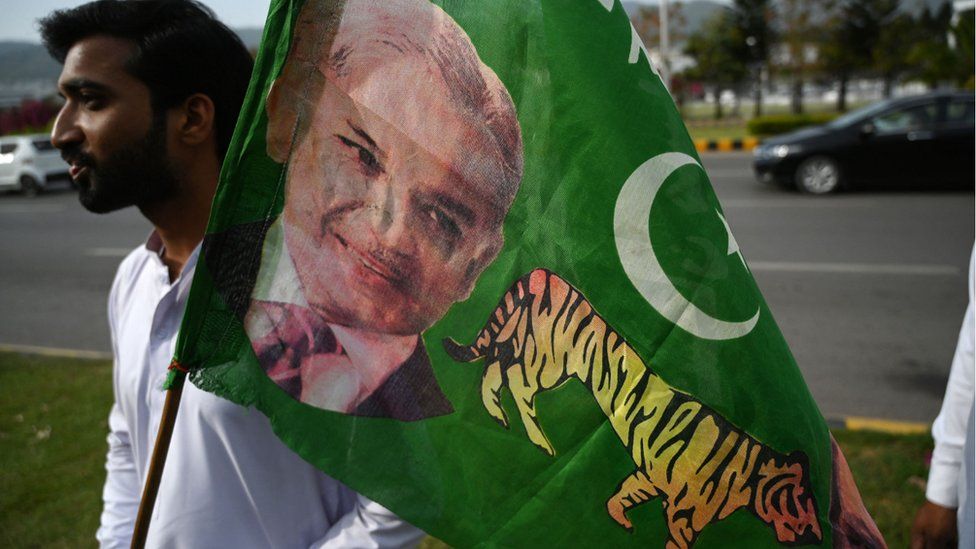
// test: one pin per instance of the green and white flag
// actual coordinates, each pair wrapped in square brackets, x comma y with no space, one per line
[465,257]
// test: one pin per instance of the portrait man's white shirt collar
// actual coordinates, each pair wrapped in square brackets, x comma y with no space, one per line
[277,278]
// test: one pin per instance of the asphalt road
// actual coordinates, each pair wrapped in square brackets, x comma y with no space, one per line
[868,288]
[56,266]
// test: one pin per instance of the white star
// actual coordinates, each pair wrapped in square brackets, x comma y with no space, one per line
[733,245]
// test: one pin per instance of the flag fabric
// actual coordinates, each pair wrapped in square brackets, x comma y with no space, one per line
[466,259]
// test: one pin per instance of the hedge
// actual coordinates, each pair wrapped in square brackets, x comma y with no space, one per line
[782,123]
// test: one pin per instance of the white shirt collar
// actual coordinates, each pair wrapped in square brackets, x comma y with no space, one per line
[277,278]
[155,248]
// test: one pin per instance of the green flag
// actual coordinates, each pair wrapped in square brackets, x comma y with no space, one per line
[466,259]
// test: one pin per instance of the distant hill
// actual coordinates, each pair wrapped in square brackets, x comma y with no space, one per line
[24,62]
[26,65]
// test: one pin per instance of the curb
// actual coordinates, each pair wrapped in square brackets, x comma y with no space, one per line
[854,423]
[726,145]
[54,352]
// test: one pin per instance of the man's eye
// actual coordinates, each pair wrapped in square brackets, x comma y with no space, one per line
[91,101]
[368,159]
[371,164]
[444,222]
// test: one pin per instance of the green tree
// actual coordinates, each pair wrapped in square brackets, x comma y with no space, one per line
[935,62]
[798,38]
[891,54]
[647,22]
[963,35]
[854,31]
[752,27]
[716,49]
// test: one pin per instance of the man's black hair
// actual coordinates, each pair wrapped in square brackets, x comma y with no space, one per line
[181,49]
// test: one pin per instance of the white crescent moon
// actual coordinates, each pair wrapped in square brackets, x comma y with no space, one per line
[632,235]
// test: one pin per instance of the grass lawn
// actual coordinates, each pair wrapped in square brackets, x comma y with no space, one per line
[698,117]
[890,471]
[52,449]
[53,422]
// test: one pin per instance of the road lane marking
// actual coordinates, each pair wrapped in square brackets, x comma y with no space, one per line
[723,155]
[797,203]
[54,351]
[31,208]
[729,172]
[854,268]
[107,252]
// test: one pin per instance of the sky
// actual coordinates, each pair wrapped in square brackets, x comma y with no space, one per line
[19,16]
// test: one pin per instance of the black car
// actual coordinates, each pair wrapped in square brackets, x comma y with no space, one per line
[925,140]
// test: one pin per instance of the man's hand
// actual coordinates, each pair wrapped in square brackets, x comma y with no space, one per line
[935,527]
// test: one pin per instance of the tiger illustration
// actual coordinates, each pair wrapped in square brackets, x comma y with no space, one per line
[545,333]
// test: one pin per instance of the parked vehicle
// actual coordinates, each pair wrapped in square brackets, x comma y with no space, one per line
[30,164]
[926,140]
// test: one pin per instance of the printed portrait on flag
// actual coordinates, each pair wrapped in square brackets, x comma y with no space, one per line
[402,156]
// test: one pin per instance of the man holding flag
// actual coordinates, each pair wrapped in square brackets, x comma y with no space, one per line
[152,90]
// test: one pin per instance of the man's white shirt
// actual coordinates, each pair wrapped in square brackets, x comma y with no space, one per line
[945,486]
[229,481]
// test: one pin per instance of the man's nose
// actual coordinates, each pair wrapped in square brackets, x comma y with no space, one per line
[65,131]
[390,217]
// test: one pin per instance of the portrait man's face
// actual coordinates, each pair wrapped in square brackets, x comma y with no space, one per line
[393,202]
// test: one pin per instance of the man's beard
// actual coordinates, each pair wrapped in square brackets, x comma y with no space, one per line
[138,174]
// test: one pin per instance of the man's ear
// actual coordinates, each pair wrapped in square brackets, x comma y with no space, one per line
[195,122]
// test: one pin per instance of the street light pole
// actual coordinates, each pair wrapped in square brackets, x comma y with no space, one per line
[665,68]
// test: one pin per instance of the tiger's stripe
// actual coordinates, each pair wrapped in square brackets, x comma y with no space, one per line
[544,333]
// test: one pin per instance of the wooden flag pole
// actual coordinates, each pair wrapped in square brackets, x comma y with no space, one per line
[158,460]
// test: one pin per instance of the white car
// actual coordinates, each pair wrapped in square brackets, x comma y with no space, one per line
[30,164]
